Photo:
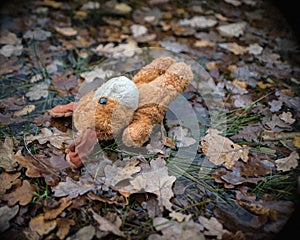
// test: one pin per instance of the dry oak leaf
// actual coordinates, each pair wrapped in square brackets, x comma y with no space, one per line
[287,163]
[40,225]
[66,31]
[107,226]
[22,194]
[86,233]
[6,154]
[6,214]
[156,180]
[56,138]
[120,171]
[73,188]
[221,150]
[175,230]
[232,29]
[55,212]
[64,226]
[213,226]
[7,180]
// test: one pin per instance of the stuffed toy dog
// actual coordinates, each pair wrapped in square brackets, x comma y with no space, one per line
[124,107]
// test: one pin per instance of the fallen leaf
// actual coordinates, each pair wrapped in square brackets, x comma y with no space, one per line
[180,217]
[107,226]
[275,105]
[6,214]
[6,153]
[232,29]
[156,180]
[198,22]
[123,8]
[234,48]
[120,171]
[287,117]
[64,226]
[40,225]
[10,38]
[86,233]
[287,163]
[213,226]
[181,136]
[22,194]
[72,188]
[53,213]
[97,72]
[38,34]
[66,31]
[175,230]
[7,180]
[56,138]
[24,111]
[51,3]
[138,30]
[38,91]
[11,50]
[221,150]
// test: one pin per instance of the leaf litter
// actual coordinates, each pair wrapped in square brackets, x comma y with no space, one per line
[253,164]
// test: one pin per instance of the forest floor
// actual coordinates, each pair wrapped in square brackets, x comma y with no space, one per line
[222,165]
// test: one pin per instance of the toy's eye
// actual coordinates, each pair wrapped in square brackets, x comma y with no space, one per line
[103,100]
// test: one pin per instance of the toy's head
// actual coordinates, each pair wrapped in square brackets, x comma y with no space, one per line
[108,109]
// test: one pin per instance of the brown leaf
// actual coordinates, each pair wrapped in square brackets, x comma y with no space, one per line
[55,212]
[214,228]
[120,171]
[156,180]
[72,188]
[7,180]
[6,214]
[220,149]
[107,226]
[86,233]
[175,230]
[41,226]
[22,194]
[287,163]
[64,226]
[6,153]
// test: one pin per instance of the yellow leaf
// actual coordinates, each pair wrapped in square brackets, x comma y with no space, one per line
[297,142]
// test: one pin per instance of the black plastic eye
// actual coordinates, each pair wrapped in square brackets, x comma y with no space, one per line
[103,100]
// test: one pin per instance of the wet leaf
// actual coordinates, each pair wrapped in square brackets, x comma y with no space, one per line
[6,214]
[23,194]
[220,149]
[107,226]
[287,163]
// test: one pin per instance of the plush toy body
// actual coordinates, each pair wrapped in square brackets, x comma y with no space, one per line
[124,107]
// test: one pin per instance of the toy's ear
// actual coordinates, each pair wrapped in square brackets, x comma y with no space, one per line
[119,88]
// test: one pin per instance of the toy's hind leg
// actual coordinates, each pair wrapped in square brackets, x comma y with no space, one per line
[151,71]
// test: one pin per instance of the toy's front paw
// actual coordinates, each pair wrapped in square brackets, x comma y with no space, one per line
[62,110]
[81,147]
